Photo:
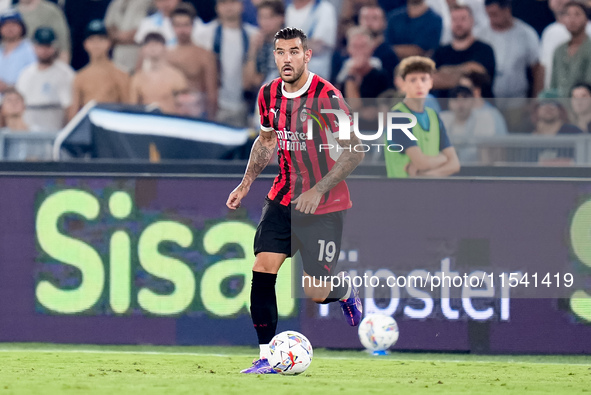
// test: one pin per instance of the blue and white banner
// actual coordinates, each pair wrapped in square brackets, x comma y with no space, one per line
[129,132]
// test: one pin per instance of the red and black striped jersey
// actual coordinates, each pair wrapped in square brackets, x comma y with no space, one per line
[304,161]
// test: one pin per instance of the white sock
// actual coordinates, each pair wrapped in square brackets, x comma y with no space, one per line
[263,351]
[348,294]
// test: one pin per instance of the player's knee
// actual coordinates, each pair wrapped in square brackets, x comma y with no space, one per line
[262,267]
[267,263]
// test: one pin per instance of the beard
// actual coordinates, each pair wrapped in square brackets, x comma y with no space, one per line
[375,33]
[464,35]
[548,119]
[295,75]
[11,38]
[46,61]
[184,39]
[580,30]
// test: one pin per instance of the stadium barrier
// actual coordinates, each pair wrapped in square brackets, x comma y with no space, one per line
[130,259]
[32,146]
[524,149]
[124,132]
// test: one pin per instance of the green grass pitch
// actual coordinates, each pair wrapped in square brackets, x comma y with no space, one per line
[70,369]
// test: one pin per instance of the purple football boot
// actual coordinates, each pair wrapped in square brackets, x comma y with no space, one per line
[260,366]
[352,308]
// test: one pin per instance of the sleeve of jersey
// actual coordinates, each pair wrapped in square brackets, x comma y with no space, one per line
[334,100]
[264,111]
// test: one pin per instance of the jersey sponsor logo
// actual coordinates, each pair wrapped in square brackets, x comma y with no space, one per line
[291,141]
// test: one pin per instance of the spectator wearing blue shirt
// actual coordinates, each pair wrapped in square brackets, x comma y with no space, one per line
[414,29]
[390,5]
[249,13]
[372,18]
[16,52]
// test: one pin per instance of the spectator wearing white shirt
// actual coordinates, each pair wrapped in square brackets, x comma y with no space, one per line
[43,13]
[476,82]
[122,20]
[46,85]
[5,5]
[160,22]
[516,47]
[228,37]
[463,121]
[441,8]
[318,19]
[554,35]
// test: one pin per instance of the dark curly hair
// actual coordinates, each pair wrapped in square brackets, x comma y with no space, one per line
[288,33]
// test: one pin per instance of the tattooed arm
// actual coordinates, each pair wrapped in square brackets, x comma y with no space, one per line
[308,201]
[260,156]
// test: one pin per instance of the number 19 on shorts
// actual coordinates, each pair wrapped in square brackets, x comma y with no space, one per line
[327,251]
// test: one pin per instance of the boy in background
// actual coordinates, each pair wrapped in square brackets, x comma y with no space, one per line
[431,154]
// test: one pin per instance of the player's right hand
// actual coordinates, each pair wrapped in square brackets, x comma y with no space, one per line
[236,197]
[411,170]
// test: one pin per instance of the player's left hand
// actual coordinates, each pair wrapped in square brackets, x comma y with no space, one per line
[308,201]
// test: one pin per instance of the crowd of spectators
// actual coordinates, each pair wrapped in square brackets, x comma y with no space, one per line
[207,58]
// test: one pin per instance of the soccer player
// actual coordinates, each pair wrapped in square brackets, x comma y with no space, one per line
[432,153]
[305,208]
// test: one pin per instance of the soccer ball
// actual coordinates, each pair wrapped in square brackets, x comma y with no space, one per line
[378,332]
[290,352]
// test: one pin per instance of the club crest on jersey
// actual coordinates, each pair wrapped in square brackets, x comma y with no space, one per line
[303,115]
